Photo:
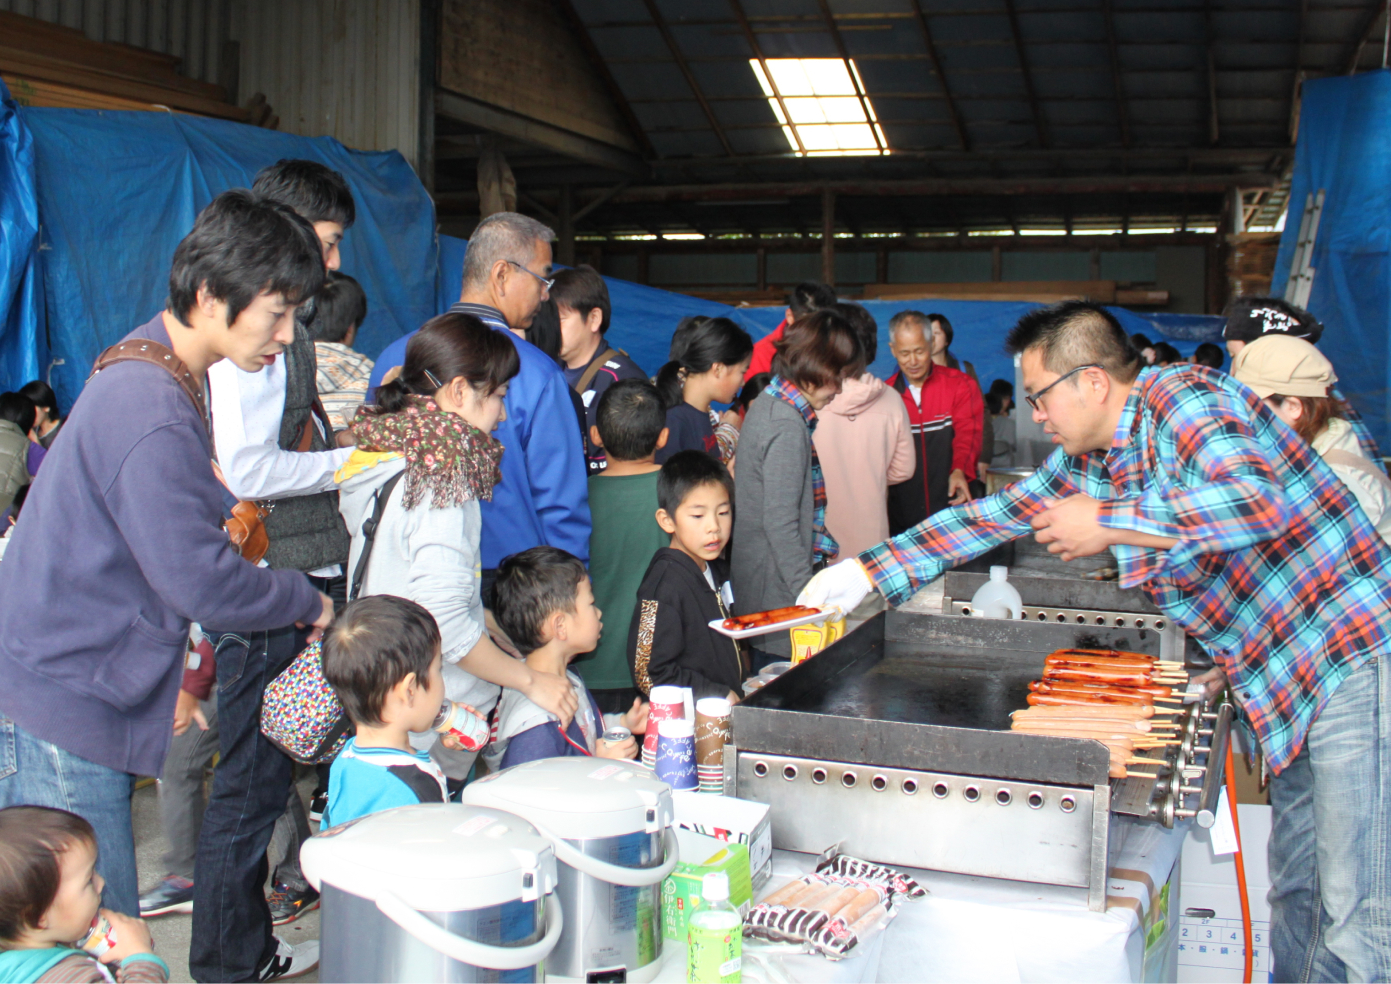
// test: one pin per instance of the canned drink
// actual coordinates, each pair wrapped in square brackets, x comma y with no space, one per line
[616,735]
[454,719]
[100,938]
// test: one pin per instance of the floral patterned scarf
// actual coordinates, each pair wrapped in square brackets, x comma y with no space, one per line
[823,545]
[444,453]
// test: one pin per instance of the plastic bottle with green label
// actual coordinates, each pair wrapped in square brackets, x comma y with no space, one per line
[714,935]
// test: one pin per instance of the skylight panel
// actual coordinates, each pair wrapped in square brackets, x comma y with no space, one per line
[821,105]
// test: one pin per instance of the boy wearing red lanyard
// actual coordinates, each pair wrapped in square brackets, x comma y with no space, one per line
[544,601]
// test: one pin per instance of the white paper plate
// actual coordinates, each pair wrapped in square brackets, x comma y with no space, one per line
[819,616]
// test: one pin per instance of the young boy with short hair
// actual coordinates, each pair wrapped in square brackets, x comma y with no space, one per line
[544,601]
[382,658]
[582,300]
[630,426]
[50,895]
[342,371]
[687,585]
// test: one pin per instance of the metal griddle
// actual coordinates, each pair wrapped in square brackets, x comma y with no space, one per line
[895,743]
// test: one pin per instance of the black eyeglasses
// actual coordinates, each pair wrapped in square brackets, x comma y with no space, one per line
[549,282]
[1032,398]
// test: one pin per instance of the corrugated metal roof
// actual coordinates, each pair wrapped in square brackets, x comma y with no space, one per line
[982,88]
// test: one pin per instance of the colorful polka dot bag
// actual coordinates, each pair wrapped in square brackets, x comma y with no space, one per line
[301,715]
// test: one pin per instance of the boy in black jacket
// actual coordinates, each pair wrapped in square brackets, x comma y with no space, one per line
[686,586]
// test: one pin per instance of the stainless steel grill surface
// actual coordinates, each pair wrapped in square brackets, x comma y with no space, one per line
[895,743]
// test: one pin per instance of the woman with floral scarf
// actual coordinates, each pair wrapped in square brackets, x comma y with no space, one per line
[433,426]
[780,536]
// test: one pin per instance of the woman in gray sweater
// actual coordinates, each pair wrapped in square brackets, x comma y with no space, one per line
[780,536]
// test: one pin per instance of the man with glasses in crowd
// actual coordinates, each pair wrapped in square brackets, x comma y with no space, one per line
[544,496]
[1235,528]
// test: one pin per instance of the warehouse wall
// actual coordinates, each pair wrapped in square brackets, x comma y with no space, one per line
[521,55]
[357,78]
[348,69]
[193,30]
[1181,270]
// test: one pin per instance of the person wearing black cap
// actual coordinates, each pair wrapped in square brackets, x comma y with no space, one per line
[1250,318]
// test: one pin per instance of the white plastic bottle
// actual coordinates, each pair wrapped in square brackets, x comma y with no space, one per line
[997,598]
[714,935]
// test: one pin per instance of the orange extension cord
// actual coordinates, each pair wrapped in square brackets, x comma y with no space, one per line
[1240,865]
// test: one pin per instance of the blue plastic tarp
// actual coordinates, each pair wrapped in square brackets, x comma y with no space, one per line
[22,351]
[1344,149]
[116,191]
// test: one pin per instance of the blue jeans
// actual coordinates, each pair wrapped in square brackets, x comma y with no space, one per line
[1330,870]
[34,772]
[232,937]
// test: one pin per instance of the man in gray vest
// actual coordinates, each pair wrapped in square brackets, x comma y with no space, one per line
[273,442]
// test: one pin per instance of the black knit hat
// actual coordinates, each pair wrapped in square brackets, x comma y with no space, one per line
[1250,318]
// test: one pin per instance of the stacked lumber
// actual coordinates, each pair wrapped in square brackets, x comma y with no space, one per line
[50,65]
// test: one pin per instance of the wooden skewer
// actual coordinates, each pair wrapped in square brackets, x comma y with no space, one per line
[1141,758]
[1154,742]
[1140,775]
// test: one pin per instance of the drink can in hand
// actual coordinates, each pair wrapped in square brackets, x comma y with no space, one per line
[100,937]
[457,720]
[616,735]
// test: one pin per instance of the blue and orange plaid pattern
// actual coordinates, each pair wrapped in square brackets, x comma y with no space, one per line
[823,545]
[1278,572]
[1364,437]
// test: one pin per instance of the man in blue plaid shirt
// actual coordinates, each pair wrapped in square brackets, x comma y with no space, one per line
[1238,531]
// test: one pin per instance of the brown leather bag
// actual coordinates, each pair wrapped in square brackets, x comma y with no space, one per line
[245,528]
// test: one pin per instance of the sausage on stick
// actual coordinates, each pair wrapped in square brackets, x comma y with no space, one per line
[756,620]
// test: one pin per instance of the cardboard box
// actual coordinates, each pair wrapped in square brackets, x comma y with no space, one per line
[701,855]
[1211,942]
[728,818]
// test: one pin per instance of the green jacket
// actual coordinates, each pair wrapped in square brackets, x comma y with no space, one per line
[14,471]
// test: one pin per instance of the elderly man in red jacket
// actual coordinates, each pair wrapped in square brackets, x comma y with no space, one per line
[944,409]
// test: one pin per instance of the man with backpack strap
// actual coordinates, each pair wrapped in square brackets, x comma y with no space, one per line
[591,366]
[273,443]
[122,543]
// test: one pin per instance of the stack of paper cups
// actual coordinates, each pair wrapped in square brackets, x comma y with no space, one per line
[711,735]
[676,753]
[667,703]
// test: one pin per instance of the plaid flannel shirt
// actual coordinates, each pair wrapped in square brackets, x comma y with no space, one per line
[1277,572]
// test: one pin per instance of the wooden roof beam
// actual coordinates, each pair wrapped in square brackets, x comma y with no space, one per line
[1122,117]
[625,109]
[941,74]
[685,67]
[1214,131]
[1040,123]
[1362,34]
[844,52]
[928,187]
[756,50]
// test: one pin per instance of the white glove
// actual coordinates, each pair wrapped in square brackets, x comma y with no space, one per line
[842,586]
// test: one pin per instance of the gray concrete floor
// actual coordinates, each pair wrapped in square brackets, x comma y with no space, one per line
[172,933]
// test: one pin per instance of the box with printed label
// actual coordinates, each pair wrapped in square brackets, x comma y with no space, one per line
[701,855]
[728,818]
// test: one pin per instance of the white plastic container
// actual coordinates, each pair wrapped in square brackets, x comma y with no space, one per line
[997,598]
[609,823]
[435,892]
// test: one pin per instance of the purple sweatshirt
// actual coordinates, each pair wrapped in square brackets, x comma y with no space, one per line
[121,547]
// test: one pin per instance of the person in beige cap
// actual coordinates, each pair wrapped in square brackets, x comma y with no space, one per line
[1294,379]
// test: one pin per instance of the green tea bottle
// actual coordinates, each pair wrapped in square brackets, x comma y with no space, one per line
[714,935]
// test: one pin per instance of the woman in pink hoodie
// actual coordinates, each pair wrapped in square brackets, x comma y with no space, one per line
[862,438]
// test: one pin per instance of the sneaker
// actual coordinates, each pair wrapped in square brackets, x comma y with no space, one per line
[290,961]
[173,894]
[317,806]
[287,905]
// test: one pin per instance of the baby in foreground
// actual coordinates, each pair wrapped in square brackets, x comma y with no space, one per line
[50,899]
